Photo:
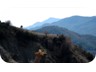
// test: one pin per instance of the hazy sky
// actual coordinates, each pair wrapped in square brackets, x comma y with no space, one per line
[27,12]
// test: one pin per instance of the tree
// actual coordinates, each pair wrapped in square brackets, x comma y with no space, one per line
[21,26]
[8,23]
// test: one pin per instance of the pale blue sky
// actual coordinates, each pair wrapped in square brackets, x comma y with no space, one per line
[27,12]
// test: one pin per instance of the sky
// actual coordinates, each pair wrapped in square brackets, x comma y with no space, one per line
[28,12]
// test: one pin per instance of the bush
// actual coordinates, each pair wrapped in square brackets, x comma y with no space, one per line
[8,23]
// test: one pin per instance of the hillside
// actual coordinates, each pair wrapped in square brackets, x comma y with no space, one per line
[87,42]
[19,45]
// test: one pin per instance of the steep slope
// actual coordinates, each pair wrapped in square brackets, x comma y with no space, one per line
[87,42]
[19,45]
[38,25]
[78,24]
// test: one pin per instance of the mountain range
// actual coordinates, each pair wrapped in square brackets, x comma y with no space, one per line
[81,29]
[79,24]
[38,25]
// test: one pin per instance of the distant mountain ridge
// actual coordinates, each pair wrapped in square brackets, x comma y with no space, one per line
[79,24]
[38,25]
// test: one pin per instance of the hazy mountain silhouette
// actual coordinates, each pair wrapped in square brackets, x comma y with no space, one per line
[38,25]
[78,24]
